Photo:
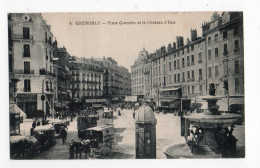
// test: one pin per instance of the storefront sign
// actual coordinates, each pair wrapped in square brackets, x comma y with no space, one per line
[27,97]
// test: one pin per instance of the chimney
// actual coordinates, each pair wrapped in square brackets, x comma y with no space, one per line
[169,48]
[174,45]
[193,34]
[179,40]
[163,50]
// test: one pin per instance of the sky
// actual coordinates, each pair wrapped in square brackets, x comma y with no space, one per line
[122,42]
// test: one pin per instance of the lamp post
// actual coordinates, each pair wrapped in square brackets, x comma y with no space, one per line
[43,97]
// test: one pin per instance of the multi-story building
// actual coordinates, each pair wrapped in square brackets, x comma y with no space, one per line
[138,75]
[185,73]
[148,77]
[86,80]
[225,57]
[12,78]
[62,74]
[178,72]
[117,79]
[33,63]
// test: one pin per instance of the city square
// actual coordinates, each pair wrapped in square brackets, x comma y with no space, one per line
[182,100]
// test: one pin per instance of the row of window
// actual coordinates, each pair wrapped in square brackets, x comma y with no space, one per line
[27,68]
[26,35]
[27,52]
[77,86]
[27,85]
[225,50]
[137,89]
[224,35]
[88,94]
[138,81]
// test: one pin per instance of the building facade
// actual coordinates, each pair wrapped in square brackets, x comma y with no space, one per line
[62,77]
[86,79]
[12,78]
[33,63]
[117,79]
[225,57]
[209,65]
[178,73]
[137,74]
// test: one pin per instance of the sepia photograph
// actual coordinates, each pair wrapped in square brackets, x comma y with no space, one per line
[126,85]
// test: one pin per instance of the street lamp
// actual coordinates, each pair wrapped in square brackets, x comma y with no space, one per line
[43,96]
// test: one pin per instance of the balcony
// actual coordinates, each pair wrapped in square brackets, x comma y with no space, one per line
[92,82]
[225,54]
[26,89]
[44,72]
[22,37]
[23,72]
[236,50]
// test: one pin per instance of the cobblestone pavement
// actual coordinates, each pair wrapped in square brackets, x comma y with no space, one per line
[167,133]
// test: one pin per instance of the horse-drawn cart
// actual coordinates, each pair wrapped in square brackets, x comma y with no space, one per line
[45,135]
[101,140]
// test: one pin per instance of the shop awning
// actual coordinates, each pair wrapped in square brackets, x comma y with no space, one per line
[95,100]
[169,89]
[14,109]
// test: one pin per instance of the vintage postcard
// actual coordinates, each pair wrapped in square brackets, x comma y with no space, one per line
[118,85]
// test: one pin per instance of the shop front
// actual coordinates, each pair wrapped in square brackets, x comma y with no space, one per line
[95,103]
[27,103]
[169,100]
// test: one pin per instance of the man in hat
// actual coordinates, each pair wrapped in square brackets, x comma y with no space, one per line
[63,134]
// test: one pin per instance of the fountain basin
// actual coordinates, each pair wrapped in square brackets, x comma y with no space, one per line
[212,121]
[182,150]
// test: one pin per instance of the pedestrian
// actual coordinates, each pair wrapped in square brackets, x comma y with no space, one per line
[38,123]
[63,134]
[119,113]
[72,149]
[134,114]
[33,127]
[78,146]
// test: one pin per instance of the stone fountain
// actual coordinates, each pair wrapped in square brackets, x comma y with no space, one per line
[210,134]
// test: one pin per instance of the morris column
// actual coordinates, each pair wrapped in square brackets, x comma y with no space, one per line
[145,133]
